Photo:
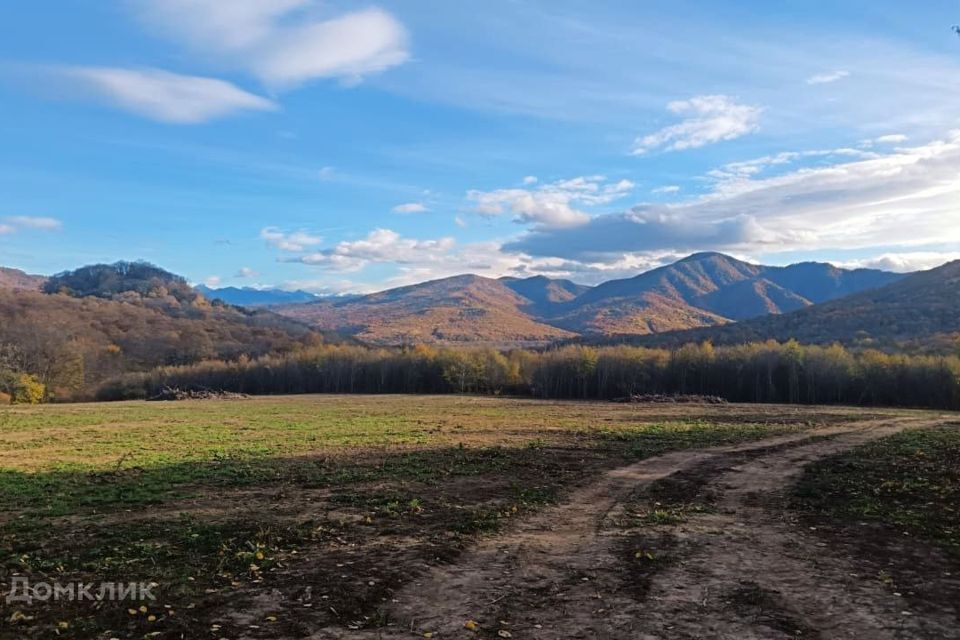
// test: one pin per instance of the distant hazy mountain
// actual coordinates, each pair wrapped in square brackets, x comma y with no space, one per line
[250,297]
[545,294]
[921,309]
[705,289]
[16,279]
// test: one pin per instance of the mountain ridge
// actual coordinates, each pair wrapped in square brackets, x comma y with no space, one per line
[253,297]
[704,289]
[920,310]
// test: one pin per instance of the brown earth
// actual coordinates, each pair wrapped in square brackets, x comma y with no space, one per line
[734,566]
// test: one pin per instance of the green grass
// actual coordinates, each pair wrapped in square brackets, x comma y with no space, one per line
[59,460]
[910,480]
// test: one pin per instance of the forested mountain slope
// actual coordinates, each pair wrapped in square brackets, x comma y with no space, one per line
[705,289]
[920,310]
[109,319]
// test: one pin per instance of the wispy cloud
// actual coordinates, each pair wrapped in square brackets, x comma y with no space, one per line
[904,262]
[665,190]
[907,197]
[12,224]
[893,138]
[283,42]
[553,205]
[411,207]
[827,78]
[289,241]
[379,246]
[246,272]
[707,119]
[164,96]
[731,173]
[33,222]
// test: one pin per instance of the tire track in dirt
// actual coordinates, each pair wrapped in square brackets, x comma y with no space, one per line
[743,571]
[758,575]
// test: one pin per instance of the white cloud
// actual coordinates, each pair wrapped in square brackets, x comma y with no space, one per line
[33,222]
[827,78]
[246,272]
[894,138]
[13,224]
[708,119]
[460,222]
[293,242]
[351,46]
[213,281]
[733,172]
[903,262]
[551,205]
[379,246]
[326,173]
[666,190]
[283,42]
[410,207]
[164,96]
[907,197]
[528,180]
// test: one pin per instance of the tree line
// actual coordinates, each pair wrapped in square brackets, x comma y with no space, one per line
[771,372]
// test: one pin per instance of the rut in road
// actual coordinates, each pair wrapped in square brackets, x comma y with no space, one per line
[742,570]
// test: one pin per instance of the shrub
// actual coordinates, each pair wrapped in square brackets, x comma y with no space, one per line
[22,388]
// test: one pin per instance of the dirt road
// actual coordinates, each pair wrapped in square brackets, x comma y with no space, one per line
[741,568]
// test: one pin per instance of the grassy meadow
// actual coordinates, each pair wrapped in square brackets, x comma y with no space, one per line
[220,502]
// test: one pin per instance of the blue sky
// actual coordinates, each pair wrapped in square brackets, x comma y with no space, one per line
[352,147]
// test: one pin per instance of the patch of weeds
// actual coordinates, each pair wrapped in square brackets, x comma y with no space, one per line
[476,521]
[910,481]
[653,439]
[644,556]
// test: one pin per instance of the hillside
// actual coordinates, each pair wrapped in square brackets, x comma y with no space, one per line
[110,319]
[465,308]
[705,289]
[250,297]
[16,279]
[920,310]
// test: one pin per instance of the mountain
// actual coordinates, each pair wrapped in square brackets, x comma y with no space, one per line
[459,309]
[545,294]
[705,289]
[250,297]
[100,321]
[16,279]
[921,310]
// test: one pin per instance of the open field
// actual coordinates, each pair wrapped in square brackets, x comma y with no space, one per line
[400,516]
